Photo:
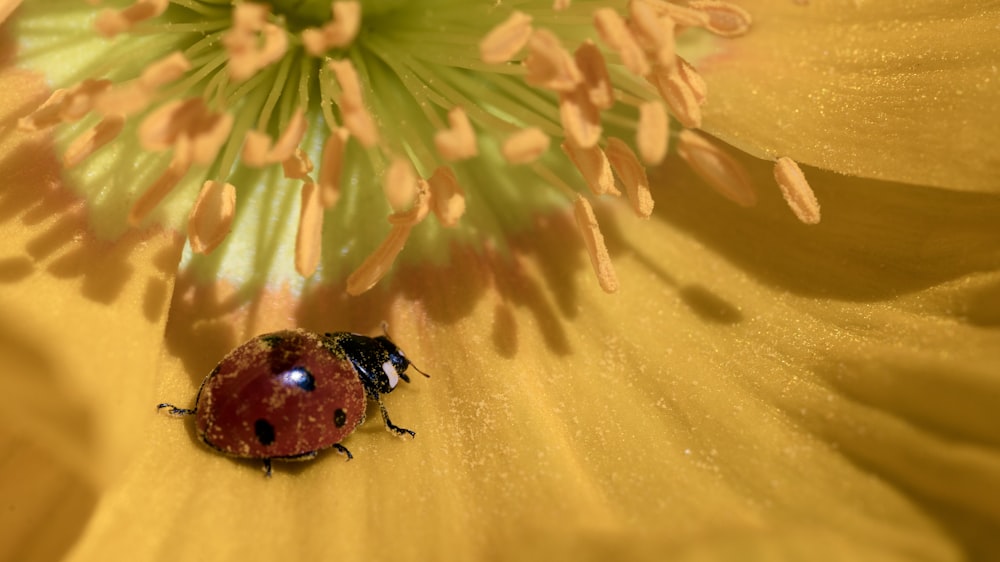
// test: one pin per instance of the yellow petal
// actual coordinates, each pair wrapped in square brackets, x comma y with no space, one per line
[81,325]
[887,90]
[755,390]
[88,313]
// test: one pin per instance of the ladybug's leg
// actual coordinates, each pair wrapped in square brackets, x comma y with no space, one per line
[374,395]
[343,450]
[388,423]
[267,468]
[175,411]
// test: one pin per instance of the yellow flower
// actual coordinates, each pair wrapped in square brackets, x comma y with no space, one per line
[757,388]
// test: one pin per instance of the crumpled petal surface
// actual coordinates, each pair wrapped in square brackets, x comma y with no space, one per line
[823,392]
[902,91]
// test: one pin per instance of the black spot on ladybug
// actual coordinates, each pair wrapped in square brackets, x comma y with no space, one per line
[264,431]
[340,417]
[300,377]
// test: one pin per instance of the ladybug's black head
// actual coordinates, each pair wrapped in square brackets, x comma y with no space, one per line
[397,363]
[379,362]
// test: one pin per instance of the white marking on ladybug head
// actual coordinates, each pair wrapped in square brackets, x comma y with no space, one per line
[390,372]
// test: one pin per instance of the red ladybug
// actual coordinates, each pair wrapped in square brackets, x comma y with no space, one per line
[290,394]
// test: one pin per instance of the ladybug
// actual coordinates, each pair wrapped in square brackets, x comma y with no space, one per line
[290,394]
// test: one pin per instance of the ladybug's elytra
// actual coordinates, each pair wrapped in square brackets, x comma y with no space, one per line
[290,394]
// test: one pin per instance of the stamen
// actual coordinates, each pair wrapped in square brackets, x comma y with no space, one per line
[164,71]
[339,32]
[796,190]
[525,146]
[190,119]
[633,176]
[593,166]
[297,166]
[458,142]
[652,133]
[123,99]
[47,114]
[420,208]
[580,118]
[211,133]
[596,81]
[378,264]
[600,260]
[65,105]
[134,96]
[257,148]
[180,163]
[654,34]
[345,25]
[331,167]
[560,5]
[447,197]
[95,137]
[549,65]
[291,137]
[211,218]
[112,22]
[615,34]
[692,79]
[400,185]
[724,19]
[309,239]
[717,168]
[357,120]
[678,94]
[505,40]
[246,55]
[682,15]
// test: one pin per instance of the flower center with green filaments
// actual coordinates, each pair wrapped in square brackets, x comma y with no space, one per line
[298,130]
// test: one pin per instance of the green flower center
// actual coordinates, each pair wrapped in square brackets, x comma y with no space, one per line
[296,130]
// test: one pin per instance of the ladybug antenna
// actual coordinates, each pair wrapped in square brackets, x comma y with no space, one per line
[418,370]
[385,332]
